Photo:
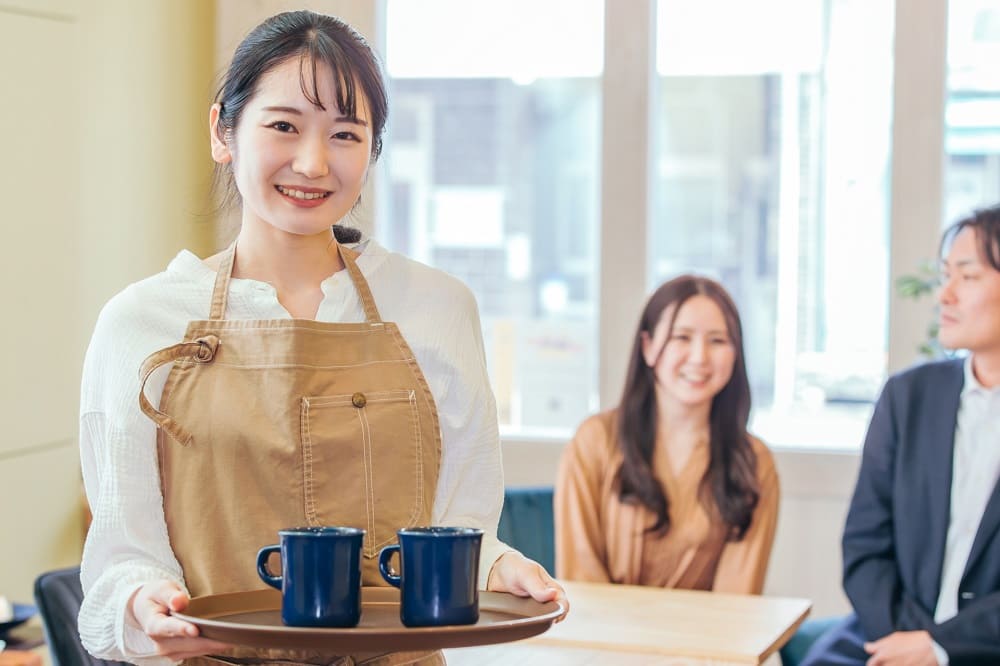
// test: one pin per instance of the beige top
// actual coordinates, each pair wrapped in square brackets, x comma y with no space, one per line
[600,539]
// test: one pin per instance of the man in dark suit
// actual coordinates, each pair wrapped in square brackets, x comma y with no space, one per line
[922,540]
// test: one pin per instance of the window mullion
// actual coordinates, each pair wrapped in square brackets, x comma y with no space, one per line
[627,145]
[917,163]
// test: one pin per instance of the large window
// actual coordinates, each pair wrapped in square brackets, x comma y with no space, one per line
[493,175]
[771,175]
[972,114]
[792,152]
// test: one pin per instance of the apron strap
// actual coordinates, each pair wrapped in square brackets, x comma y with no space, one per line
[201,350]
[220,293]
[349,257]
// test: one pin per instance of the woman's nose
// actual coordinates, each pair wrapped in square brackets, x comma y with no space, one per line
[697,350]
[311,160]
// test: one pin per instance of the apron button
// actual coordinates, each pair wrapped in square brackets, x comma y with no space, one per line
[359,400]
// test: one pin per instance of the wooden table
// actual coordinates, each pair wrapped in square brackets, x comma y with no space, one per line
[623,624]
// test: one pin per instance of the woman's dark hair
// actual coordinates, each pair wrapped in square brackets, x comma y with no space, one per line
[730,482]
[314,39]
[985,222]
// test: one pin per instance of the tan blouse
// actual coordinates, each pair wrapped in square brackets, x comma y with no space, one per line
[600,539]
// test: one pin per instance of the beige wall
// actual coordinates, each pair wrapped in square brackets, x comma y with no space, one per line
[146,169]
[103,179]
[39,190]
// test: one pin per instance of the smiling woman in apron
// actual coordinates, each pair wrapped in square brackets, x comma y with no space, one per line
[303,376]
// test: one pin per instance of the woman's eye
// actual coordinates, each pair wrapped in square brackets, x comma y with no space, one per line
[346,136]
[282,126]
[719,341]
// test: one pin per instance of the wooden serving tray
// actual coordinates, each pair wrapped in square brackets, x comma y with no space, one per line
[253,619]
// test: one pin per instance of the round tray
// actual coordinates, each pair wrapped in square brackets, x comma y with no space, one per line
[253,619]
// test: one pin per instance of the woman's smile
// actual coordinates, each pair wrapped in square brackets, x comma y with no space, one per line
[304,197]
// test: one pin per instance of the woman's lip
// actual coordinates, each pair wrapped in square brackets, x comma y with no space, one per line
[305,203]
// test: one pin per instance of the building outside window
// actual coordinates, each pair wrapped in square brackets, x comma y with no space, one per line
[771,176]
[493,176]
[972,113]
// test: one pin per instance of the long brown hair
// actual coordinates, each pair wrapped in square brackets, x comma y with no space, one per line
[730,482]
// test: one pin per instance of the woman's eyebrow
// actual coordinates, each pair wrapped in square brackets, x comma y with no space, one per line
[691,329]
[284,109]
[298,112]
[351,119]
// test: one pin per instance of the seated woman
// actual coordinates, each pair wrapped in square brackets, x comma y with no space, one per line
[669,489]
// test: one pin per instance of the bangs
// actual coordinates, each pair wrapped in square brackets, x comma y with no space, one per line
[319,48]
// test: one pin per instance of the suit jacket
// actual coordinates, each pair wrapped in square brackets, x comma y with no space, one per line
[894,540]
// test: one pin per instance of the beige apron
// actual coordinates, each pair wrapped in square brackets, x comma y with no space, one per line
[268,424]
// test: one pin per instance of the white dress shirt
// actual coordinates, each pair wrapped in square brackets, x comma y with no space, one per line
[128,545]
[975,470]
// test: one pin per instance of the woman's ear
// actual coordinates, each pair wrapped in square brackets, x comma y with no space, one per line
[220,149]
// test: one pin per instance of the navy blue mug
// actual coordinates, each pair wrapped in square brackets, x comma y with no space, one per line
[438,575]
[320,579]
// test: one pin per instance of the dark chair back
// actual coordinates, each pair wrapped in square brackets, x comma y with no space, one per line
[528,524]
[810,631]
[58,596]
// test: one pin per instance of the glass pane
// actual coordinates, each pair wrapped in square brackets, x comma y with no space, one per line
[972,112]
[493,171]
[771,177]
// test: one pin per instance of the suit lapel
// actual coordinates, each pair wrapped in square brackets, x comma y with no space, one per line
[987,528]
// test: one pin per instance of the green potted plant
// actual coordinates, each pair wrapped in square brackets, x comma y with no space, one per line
[916,286]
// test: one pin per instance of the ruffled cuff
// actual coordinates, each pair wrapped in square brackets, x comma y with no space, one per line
[108,628]
[492,550]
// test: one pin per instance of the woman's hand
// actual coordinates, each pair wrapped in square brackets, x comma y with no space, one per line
[516,574]
[152,604]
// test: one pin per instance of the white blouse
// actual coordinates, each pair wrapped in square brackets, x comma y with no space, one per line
[128,545]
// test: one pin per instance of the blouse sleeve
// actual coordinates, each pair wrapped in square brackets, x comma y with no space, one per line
[743,564]
[127,544]
[470,483]
[581,550]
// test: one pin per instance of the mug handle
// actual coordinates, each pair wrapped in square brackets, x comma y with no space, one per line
[262,570]
[383,565]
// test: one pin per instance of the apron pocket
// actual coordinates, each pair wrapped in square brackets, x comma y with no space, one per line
[362,462]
